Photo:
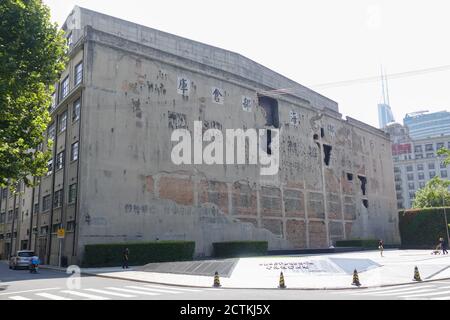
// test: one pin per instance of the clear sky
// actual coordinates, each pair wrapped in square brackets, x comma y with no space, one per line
[315,42]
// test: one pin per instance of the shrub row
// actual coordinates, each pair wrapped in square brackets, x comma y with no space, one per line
[421,228]
[141,253]
[360,243]
[239,249]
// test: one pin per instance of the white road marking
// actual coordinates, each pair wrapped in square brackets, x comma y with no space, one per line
[177,288]
[52,296]
[134,291]
[394,290]
[426,294]
[442,298]
[19,298]
[379,289]
[154,290]
[85,295]
[35,290]
[111,293]
[402,293]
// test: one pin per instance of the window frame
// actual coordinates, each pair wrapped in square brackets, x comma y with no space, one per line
[72,158]
[78,74]
[65,87]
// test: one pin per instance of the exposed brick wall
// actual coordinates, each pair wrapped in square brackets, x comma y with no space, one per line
[296,233]
[270,201]
[349,208]
[294,204]
[214,192]
[244,200]
[315,205]
[273,225]
[317,234]
[334,206]
[336,230]
[179,190]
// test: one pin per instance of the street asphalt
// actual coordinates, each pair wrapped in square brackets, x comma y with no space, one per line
[56,285]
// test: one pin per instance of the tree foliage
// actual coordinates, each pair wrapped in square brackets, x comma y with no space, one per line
[32,55]
[434,194]
[446,153]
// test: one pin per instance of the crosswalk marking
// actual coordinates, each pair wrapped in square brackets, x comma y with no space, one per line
[85,295]
[178,289]
[134,291]
[52,296]
[442,298]
[19,298]
[427,294]
[392,290]
[25,291]
[123,295]
[152,289]
[400,293]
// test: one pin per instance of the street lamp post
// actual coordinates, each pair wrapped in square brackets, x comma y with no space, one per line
[445,219]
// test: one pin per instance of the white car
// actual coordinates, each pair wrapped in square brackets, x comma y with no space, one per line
[21,259]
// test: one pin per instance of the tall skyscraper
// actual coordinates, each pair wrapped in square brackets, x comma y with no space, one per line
[424,125]
[385,115]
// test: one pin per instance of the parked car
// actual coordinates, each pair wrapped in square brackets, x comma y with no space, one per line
[21,259]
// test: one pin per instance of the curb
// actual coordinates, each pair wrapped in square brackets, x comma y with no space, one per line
[249,288]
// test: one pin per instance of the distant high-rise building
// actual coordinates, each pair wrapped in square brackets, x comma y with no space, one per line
[385,115]
[424,125]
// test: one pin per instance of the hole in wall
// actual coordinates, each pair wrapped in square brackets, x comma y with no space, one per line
[365,203]
[327,153]
[350,176]
[316,137]
[363,184]
[322,132]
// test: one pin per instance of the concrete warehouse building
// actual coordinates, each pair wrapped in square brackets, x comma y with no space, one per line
[111,179]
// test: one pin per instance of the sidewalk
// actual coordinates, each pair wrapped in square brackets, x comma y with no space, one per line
[329,271]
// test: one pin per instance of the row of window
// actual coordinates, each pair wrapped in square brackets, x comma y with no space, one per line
[62,126]
[58,198]
[60,158]
[70,227]
[420,167]
[421,175]
[65,85]
[430,147]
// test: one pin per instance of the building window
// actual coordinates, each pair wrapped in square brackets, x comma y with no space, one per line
[419,156]
[46,203]
[3,217]
[398,187]
[70,40]
[65,87]
[36,208]
[78,73]
[410,177]
[432,174]
[421,184]
[430,155]
[411,186]
[439,145]
[421,176]
[49,167]
[55,227]
[398,178]
[44,230]
[76,110]
[72,193]
[63,122]
[60,160]
[53,105]
[429,147]
[420,167]
[412,195]
[51,131]
[397,170]
[442,165]
[409,168]
[58,199]
[4,193]
[444,173]
[70,226]
[418,149]
[431,166]
[74,151]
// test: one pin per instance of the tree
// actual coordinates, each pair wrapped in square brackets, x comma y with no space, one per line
[434,194]
[32,55]
[446,153]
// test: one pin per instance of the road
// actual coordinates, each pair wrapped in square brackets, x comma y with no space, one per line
[55,285]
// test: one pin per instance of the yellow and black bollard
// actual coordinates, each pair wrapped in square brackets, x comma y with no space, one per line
[356,279]
[282,285]
[216,280]
[416,274]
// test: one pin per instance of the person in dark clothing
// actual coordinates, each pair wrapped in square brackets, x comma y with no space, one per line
[443,245]
[126,254]
[380,246]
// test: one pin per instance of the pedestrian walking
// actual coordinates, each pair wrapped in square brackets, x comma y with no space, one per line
[380,246]
[126,255]
[443,245]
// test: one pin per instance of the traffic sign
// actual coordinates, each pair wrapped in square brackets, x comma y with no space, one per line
[61,233]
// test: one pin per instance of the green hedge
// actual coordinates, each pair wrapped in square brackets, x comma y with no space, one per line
[231,249]
[141,253]
[360,243]
[421,228]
